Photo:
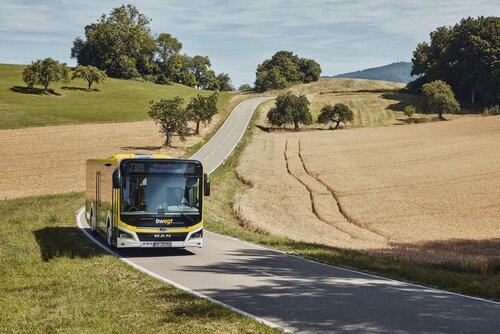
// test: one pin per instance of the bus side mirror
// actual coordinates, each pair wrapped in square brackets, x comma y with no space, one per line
[116,179]
[206,185]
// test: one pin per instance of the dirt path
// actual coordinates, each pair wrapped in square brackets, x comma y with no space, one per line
[49,160]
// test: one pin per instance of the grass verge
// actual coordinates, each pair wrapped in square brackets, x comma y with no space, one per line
[54,279]
[220,218]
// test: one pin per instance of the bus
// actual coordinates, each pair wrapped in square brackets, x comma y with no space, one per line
[139,200]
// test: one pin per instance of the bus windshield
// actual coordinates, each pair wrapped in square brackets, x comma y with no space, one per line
[151,190]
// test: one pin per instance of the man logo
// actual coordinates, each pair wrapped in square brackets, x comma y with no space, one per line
[164,221]
[162,236]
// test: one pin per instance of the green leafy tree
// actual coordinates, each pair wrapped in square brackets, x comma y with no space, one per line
[201,109]
[44,72]
[167,46]
[339,113]
[172,118]
[223,82]
[121,44]
[89,73]
[290,109]
[466,56]
[244,87]
[409,111]
[438,98]
[200,68]
[285,69]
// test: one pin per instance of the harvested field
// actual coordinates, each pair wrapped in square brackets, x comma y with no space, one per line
[51,160]
[427,192]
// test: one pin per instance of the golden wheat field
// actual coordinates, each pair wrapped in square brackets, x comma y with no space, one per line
[429,191]
[51,159]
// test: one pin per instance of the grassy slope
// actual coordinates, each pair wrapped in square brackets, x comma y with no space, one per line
[116,101]
[56,280]
[220,218]
[374,102]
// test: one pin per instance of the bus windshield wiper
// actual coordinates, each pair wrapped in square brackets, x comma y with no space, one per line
[190,218]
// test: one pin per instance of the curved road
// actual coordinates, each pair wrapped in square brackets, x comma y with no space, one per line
[297,294]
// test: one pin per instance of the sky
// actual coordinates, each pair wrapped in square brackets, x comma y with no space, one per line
[342,36]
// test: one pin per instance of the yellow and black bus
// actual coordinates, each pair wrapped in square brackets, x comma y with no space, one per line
[139,200]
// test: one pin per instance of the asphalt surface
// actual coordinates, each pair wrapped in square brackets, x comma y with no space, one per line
[220,146]
[302,295]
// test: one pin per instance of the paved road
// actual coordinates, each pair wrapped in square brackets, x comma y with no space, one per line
[302,295]
[213,153]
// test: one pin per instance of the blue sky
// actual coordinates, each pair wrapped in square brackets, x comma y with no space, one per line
[237,35]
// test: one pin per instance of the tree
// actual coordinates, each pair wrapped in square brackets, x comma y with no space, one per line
[120,44]
[44,72]
[201,109]
[285,69]
[409,111]
[223,82]
[171,117]
[290,109]
[245,87]
[200,68]
[438,98]
[167,46]
[466,56]
[89,73]
[339,113]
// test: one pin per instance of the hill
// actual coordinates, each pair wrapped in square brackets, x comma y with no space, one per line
[116,101]
[396,72]
[374,102]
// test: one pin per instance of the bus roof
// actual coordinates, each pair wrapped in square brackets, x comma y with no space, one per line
[115,159]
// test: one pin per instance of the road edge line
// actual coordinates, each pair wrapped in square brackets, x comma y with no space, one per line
[243,133]
[175,284]
[360,272]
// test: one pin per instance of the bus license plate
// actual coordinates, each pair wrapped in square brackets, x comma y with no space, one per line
[162,244]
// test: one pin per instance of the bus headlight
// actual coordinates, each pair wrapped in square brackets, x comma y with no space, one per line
[124,235]
[197,235]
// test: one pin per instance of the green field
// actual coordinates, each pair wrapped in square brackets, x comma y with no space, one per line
[115,101]
[55,280]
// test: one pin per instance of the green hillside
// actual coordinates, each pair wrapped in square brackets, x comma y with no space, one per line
[116,101]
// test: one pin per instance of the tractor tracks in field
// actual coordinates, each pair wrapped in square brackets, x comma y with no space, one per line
[325,202]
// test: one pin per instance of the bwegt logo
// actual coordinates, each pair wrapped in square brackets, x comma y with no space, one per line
[163,221]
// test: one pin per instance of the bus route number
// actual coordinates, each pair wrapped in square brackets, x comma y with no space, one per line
[136,168]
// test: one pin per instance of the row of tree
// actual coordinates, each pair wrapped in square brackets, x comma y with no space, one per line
[285,69]
[173,116]
[43,72]
[122,45]
[294,110]
[466,56]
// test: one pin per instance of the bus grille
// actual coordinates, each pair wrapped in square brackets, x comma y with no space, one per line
[162,236]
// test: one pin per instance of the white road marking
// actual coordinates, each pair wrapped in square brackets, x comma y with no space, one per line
[166,280]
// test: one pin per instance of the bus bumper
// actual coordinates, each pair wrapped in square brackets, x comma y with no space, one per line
[130,239]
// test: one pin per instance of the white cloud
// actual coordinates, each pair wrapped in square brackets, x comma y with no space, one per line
[237,35]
